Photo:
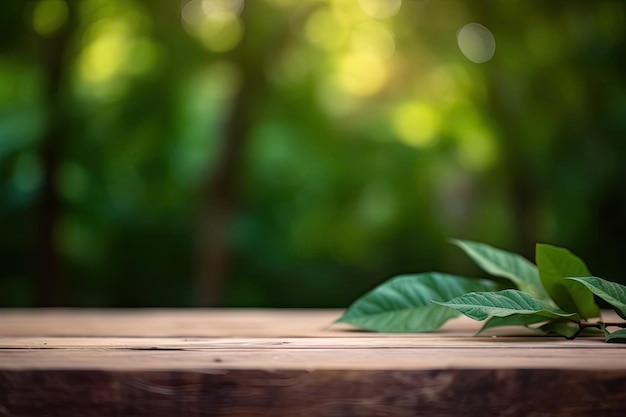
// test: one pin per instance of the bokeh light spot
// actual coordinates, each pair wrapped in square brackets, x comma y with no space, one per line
[193,13]
[381,9]
[324,31]
[476,42]
[215,23]
[213,7]
[221,33]
[49,16]
[105,57]
[116,47]
[417,124]
[347,12]
[360,74]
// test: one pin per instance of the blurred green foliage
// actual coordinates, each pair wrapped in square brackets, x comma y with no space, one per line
[368,139]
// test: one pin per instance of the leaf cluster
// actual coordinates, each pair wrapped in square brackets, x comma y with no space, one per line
[555,296]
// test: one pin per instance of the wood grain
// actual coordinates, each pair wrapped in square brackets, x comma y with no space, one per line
[292,363]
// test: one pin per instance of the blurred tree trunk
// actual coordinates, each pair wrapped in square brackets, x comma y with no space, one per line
[220,197]
[51,285]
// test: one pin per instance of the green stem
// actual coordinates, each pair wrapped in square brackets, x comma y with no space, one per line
[598,325]
[620,324]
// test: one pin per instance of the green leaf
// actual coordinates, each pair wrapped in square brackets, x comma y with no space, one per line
[611,292]
[591,332]
[513,320]
[480,305]
[555,264]
[520,271]
[403,304]
[558,328]
[618,336]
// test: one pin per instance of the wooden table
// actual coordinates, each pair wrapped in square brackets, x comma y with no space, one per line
[291,363]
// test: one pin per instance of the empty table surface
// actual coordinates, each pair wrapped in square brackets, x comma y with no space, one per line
[250,362]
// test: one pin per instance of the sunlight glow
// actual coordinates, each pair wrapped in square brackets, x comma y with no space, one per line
[374,38]
[347,12]
[360,74]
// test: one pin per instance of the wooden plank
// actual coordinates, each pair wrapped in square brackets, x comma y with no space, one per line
[315,359]
[249,341]
[219,323]
[177,322]
[291,363]
[175,343]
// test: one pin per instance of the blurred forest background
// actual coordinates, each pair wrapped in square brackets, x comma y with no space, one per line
[296,153]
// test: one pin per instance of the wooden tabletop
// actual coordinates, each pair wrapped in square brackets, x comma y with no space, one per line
[292,363]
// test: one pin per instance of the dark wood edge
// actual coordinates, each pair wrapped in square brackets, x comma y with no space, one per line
[445,392]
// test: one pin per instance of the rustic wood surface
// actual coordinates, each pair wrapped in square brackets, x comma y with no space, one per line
[292,363]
